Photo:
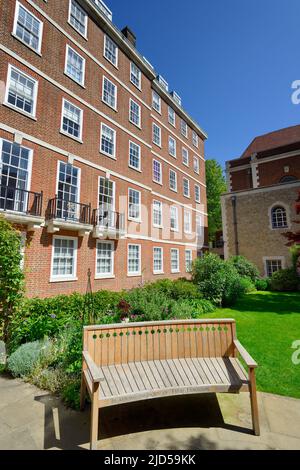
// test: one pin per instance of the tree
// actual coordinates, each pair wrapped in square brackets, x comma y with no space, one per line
[216,185]
[11,275]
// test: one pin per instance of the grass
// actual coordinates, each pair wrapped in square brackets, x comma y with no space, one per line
[267,325]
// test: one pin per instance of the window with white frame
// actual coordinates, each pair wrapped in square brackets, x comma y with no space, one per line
[174,260]
[109,93]
[158,260]
[174,218]
[106,203]
[186,187]
[108,141]
[173,180]
[21,91]
[187,222]
[196,165]
[78,18]
[134,113]
[64,259]
[188,261]
[28,28]
[134,205]
[156,101]
[157,172]
[171,116]
[135,75]
[185,156]
[111,51]
[134,260]
[172,147]
[197,193]
[134,156]
[157,214]
[71,120]
[75,65]
[279,217]
[272,266]
[184,128]
[68,192]
[156,134]
[195,139]
[199,226]
[105,259]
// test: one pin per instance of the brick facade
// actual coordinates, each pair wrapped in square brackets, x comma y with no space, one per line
[49,146]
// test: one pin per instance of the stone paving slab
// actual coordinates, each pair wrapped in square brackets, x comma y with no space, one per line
[35,419]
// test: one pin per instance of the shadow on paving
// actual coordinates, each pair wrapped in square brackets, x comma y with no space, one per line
[68,430]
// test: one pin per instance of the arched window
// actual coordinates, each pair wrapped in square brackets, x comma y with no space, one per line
[288,179]
[279,217]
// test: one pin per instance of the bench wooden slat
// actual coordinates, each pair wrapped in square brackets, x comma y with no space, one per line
[117,380]
[203,366]
[143,375]
[135,373]
[165,376]
[185,374]
[219,369]
[156,374]
[148,371]
[186,367]
[168,373]
[195,371]
[110,381]
[128,386]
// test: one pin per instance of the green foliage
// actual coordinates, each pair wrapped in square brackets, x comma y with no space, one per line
[295,253]
[285,280]
[11,275]
[22,362]
[262,284]
[247,285]
[216,185]
[244,267]
[175,290]
[218,280]
[71,393]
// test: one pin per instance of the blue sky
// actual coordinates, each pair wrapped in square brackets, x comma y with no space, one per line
[232,61]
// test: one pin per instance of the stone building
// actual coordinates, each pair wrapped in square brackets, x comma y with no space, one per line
[263,185]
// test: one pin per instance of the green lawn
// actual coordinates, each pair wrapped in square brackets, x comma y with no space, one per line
[267,325]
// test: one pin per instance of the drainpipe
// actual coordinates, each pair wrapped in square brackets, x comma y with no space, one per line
[235,225]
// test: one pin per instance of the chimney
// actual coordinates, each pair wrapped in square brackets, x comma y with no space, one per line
[129,35]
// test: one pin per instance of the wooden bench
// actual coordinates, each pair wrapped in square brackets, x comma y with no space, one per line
[138,361]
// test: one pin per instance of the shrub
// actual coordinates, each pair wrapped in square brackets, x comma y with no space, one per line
[262,284]
[22,362]
[71,393]
[244,267]
[146,307]
[285,280]
[247,285]
[217,280]
[50,378]
[192,309]
[176,290]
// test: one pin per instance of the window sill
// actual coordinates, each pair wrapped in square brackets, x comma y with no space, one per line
[138,126]
[158,112]
[110,62]
[24,43]
[111,107]
[174,190]
[135,86]
[66,279]
[137,221]
[80,141]
[160,273]
[75,81]
[104,277]
[134,275]
[160,227]
[157,145]
[107,155]
[10,106]
[158,182]
[135,169]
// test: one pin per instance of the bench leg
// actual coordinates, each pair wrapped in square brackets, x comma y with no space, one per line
[82,393]
[94,419]
[254,404]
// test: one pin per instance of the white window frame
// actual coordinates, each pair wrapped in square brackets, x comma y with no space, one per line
[174,155]
[158,127]
[14,33]
[187,221]
[184,128]
[111,274]
[139,86]
[72,277]
[115,140]
[135,219]
[175,271]
[140,156]
[288,218]
[175,190]
[197,199]
[139,272]
[273,258]
[104,50]
[140,113]
[116,93]
[196,164]
[189,188]
[160,173]
[158,109]
[160,271]
[176,228]
[35,94]
[78,139]
[161,214]
[187,162]
[169,120]
[66,66]
[195,139]
[86,19]
[191,255]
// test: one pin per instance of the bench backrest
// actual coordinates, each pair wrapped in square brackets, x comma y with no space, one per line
[137,342]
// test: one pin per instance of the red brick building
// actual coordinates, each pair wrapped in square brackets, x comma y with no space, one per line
[100,166]
[259,207]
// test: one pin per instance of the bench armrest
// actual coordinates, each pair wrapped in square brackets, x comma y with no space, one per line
[245,355]
[94,370]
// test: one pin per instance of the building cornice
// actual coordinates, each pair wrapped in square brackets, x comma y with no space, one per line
[273,187]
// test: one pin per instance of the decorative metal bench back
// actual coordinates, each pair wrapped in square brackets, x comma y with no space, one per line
[137,342]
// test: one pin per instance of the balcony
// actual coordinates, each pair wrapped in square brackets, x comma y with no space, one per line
[21,207]
[108,224]
[63,214]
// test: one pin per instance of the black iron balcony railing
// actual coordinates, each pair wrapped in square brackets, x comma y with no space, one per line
[20,200]
[68,211]
[108,219]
